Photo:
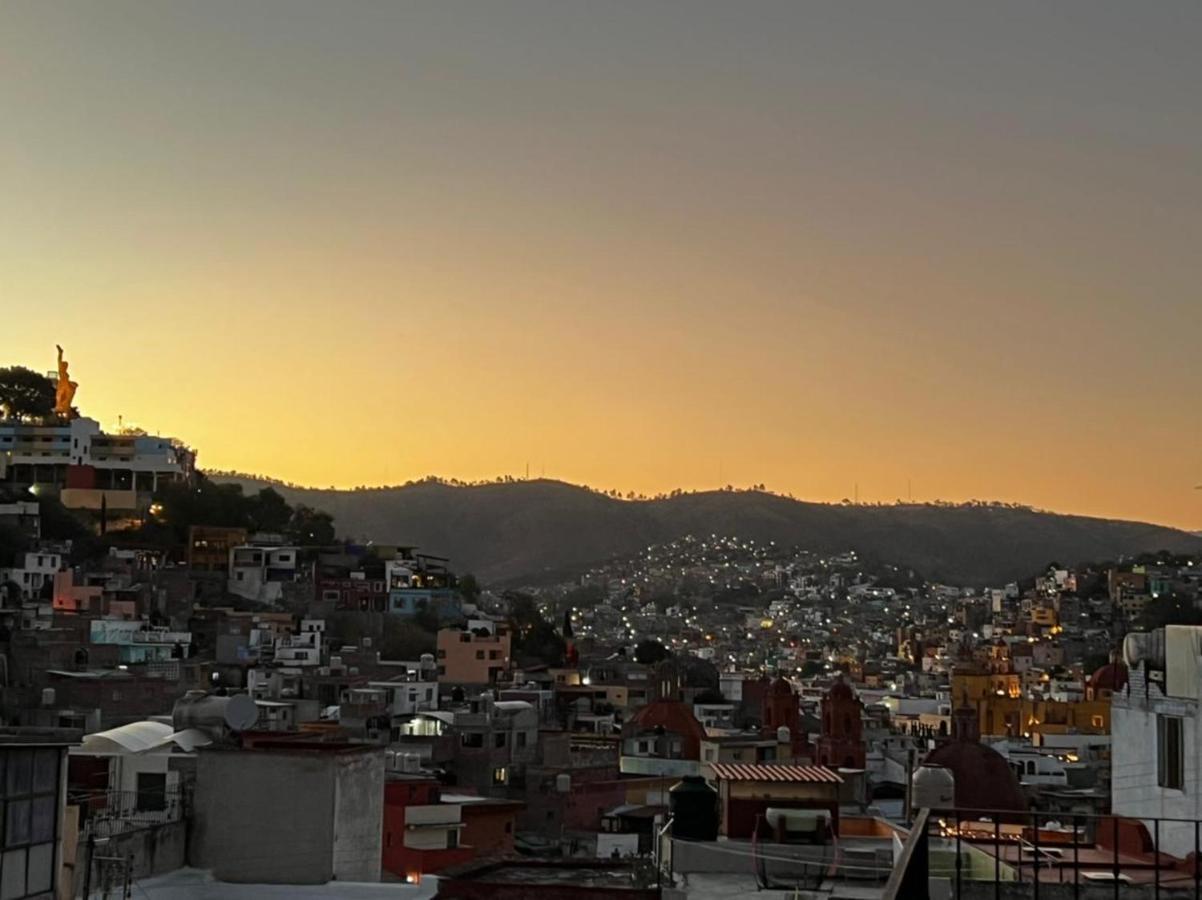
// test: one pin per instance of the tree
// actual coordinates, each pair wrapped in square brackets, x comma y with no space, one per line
[13,542]
[204,502]
[405,639]
[59,523]
[25,393]
[311,527]
[469,587]
[269,512]
[649,651]
[533,636]
[1172,610]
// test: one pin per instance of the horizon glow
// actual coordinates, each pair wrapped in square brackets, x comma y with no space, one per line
[937,251]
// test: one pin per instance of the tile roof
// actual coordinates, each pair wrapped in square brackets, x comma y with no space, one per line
[771,772]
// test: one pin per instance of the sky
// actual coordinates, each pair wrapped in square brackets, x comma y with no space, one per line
[939,250]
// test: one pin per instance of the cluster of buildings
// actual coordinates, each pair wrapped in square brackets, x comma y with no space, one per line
[726,716]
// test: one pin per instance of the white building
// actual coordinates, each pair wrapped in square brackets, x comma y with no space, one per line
[258,572]
[131,777]
[37,569]
[1156,731]
[406,698]
[301,650]
[86,465]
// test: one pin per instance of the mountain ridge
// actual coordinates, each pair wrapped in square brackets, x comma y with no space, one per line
[514,531]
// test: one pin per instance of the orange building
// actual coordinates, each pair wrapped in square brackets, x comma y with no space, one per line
[478,654]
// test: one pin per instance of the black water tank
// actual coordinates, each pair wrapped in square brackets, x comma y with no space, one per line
[694,808]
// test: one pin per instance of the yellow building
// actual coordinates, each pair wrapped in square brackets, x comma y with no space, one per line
[1002,710]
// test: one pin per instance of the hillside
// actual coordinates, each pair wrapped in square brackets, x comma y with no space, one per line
[529,530]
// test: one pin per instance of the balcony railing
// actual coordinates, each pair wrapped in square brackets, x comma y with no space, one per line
[1006,854]
[154,636]
[105,813]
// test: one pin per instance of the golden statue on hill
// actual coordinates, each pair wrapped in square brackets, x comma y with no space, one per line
[64,392]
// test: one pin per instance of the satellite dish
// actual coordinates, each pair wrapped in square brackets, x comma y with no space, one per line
[241,712]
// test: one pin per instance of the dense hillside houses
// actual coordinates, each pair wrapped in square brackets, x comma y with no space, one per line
[186,665]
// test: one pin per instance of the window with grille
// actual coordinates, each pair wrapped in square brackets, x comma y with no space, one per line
[29,782]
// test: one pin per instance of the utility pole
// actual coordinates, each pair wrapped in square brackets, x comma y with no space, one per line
[909,786]
[87,873]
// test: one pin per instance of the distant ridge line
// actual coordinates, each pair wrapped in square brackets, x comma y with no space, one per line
[525,531]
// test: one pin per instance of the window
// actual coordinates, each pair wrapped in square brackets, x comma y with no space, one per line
[1170,752]
[472,739]
[479,654]
[494,654]
[152,791]
[500,775]
[499,739]
[1097,721]
[30,821]
[452,838]
[521,739]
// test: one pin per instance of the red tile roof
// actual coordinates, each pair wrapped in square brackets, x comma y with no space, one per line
[769,772]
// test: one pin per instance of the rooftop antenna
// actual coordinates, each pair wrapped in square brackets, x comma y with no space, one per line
[857,493]
[909,490]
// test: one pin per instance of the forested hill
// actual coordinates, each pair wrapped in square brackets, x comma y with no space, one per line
[528,530]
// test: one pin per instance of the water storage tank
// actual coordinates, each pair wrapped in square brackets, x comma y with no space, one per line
[934,787]
[216,716]
[694,808]
[1146,647]
[783,736]
[792,825]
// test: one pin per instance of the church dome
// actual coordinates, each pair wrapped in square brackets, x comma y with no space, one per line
[984,780]
[1110,677]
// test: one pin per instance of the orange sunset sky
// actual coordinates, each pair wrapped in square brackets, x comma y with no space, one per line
[635,245]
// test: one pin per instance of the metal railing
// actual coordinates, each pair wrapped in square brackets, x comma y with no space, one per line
[1003,853]
[106,813]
